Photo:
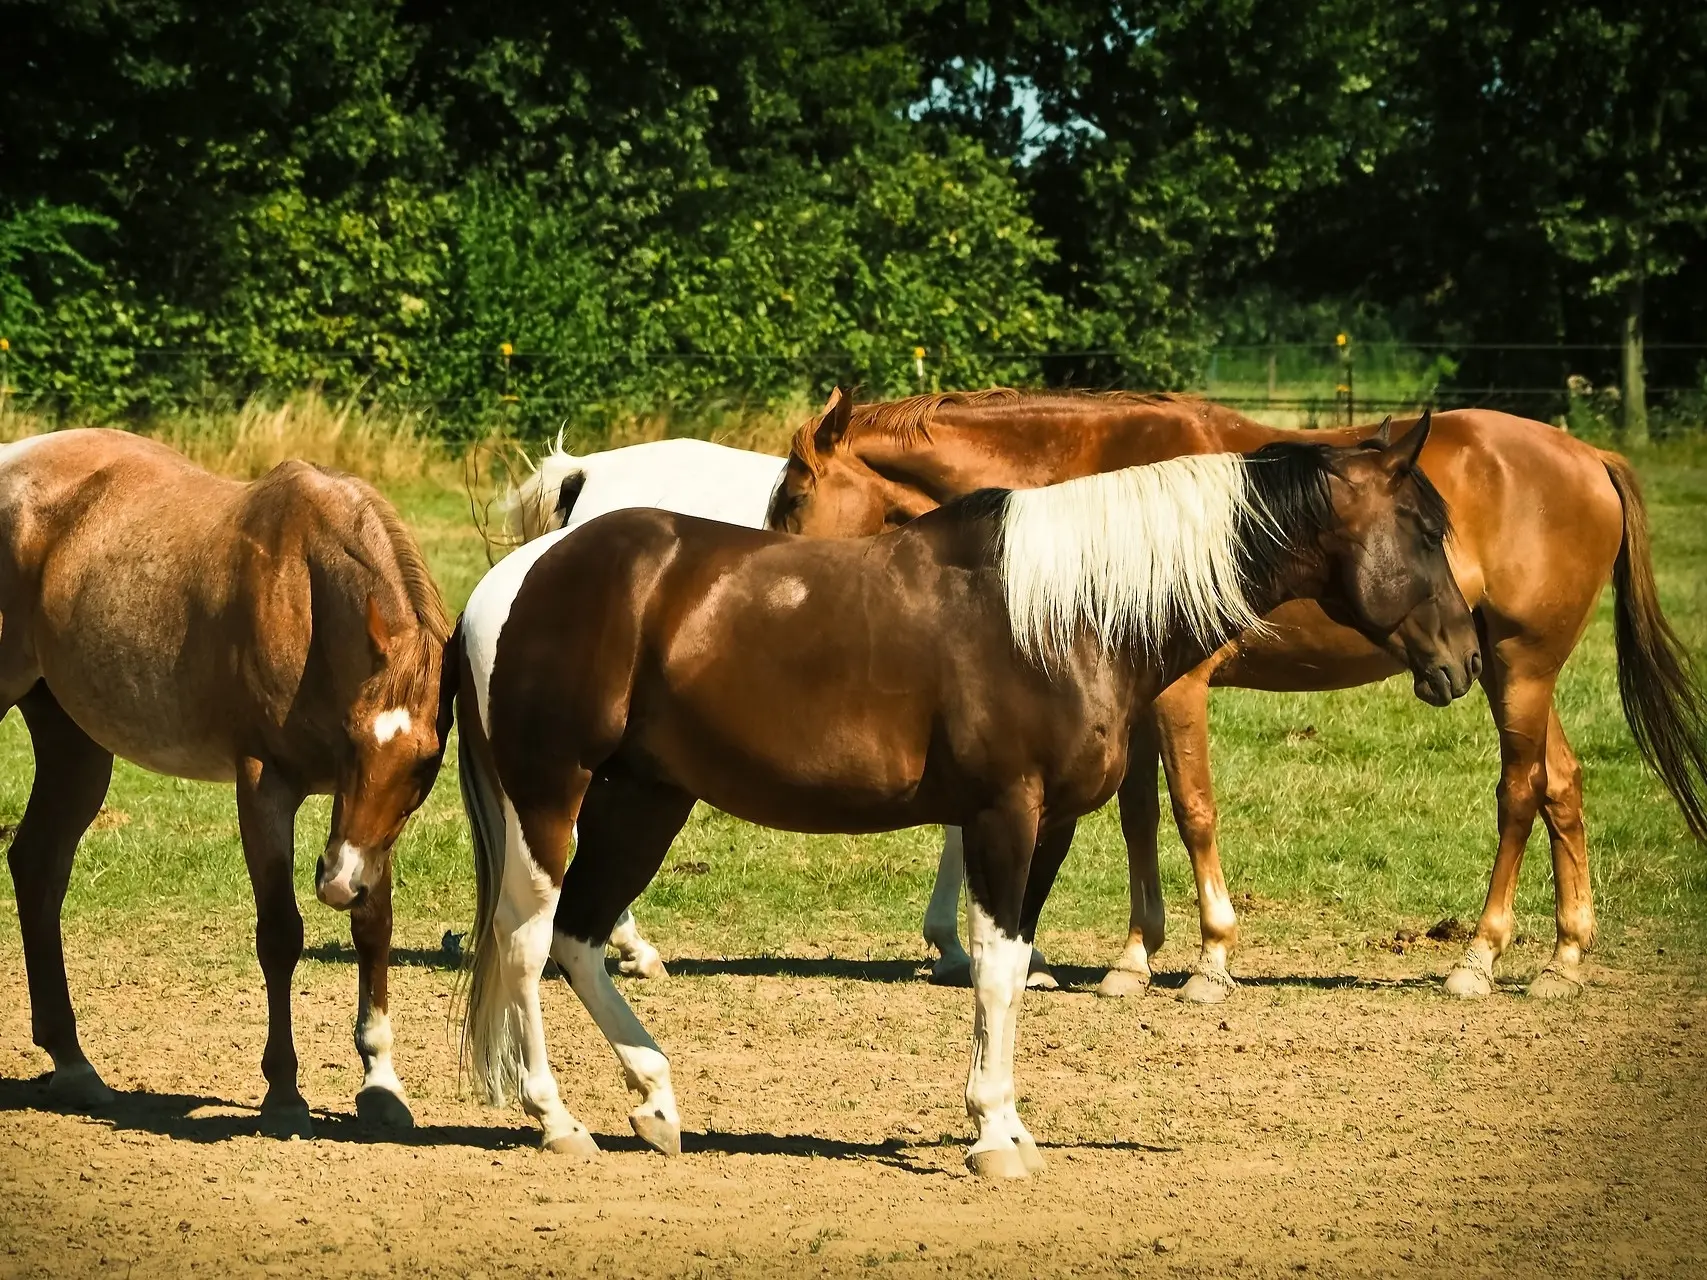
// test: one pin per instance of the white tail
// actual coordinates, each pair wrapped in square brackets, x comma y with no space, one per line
[491,1027]
[535,506]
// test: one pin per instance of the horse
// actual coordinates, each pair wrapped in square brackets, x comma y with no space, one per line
[688,476]
[1544,521]
[283,635]
[980,667]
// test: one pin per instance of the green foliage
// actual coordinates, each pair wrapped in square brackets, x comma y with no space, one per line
[660,205]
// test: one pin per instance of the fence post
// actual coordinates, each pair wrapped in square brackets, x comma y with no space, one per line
[919,366]
[5,374]
[1345,385]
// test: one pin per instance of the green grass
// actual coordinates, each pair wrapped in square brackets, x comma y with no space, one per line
[1383,817]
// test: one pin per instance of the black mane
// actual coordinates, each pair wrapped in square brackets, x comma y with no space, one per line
[1290,484]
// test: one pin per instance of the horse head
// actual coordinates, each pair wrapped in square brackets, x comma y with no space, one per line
[1387,572]
[396,728]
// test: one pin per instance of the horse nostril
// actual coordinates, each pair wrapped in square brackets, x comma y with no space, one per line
[319,870]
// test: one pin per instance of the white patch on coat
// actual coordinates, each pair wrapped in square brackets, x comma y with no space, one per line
[388,724]
[787,592]
[693,477]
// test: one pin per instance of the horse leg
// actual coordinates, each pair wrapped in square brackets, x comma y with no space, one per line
[72,775]
[953,967]
[1140,816]
[640,959]
[266,817]
[1573,896]
[627,824]
[1522,703]
[999,847]
[380,1100]
[1182,718]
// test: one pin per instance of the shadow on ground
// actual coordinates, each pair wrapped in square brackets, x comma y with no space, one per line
[203,1118]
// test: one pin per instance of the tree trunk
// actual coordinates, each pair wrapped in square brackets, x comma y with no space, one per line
[1635,398]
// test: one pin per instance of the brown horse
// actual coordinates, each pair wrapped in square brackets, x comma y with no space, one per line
[981,667]
[1543,520]
[283,635]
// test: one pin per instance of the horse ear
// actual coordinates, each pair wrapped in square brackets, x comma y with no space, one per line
[378,633]
[1401,456]
[1383,435]
[833,425]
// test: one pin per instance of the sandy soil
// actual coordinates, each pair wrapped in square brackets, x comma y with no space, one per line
[1338,1117]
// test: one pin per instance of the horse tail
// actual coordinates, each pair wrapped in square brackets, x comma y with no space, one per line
[544,501]
[1662,696]
[491,1051]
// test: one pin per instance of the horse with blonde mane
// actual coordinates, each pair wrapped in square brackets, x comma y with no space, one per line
[981,667]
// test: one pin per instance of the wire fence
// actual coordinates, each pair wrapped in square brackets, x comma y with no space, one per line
[1302,383]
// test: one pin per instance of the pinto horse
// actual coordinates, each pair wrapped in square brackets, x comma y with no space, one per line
[980,667]
[284,635]
[691,477]
[1543,521]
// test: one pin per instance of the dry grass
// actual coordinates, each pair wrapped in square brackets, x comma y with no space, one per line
[378,444]
[385,445]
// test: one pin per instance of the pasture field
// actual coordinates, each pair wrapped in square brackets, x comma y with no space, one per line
[1338,1115]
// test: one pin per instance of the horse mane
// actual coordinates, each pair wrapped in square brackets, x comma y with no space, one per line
[908,422]
[404,678]
[1141,554]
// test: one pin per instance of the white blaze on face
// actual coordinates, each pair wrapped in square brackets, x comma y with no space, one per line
[388,724]
[342,875]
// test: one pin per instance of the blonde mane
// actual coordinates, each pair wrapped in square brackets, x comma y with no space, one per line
[1134,556]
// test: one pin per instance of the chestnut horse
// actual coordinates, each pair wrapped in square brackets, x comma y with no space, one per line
[1543,520]
[981,668]
[283,635]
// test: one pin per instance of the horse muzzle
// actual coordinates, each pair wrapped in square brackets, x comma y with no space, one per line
[340,877]
[1441,683]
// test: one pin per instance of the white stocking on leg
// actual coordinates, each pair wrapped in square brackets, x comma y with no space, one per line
[999,966]
[525,947]
[644,1065]
[953,967]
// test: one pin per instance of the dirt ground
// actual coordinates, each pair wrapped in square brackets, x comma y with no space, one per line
[1339,1117]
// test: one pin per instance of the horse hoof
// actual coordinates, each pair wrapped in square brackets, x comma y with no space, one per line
[647,966]
[1468,983]
[998,1164]
[1038,980]
[952,971]
[1118,983]
[657,1130]
[286,1120]
[79,1087]
[1555,984]
[383,1108]
[575,1143]
[1029,1155]
[1206,988]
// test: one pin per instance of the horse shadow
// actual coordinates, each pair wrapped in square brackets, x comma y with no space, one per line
[1071,979]
[204,1119]
[179,1116]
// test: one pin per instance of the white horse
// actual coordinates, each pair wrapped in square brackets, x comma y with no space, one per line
[697,478]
